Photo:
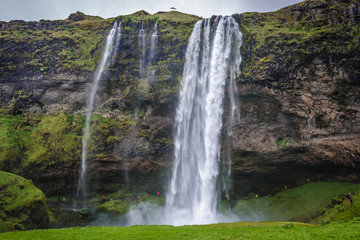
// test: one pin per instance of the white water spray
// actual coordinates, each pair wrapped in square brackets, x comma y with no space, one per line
[105,60]
[212,58]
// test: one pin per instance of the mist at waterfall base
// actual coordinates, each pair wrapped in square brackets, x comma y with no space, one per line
[212,60]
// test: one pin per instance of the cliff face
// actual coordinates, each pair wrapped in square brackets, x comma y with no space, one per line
[298,94]
[46,73]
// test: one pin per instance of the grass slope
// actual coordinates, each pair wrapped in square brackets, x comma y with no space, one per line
[298,204]
[241,230]
[339,210]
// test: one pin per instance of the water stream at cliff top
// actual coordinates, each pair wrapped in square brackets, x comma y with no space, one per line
[153,42]
[142,47]
[212,60]
[104,63]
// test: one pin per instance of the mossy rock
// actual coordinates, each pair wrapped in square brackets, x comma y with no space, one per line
[122,205]
[22,205]
[114,207]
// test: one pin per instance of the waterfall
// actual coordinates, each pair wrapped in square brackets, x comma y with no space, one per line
[117,42]
[104,63]
[212,58]
[234,68]
[142,47]
[153,41]
[212,61]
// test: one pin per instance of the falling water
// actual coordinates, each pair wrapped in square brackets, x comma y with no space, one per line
[212,60]
[142,44]
[105,59]
[234,68]
[212,57]
[154,37]
[117,42]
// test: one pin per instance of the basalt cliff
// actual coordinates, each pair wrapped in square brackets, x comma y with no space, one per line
[298,92]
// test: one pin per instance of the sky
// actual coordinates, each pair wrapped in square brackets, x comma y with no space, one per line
[34,10]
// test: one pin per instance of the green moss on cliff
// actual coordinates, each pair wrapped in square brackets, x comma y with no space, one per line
[121,204]
[55,137]
[40,140]
[55,47]
[106,132]
[43,140]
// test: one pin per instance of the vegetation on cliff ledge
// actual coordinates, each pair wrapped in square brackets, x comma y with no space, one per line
[42,140]
[51,47]
[48,48]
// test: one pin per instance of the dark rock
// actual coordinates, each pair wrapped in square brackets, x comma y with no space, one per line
[78,16]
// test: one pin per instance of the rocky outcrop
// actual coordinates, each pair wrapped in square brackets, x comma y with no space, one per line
[22,205]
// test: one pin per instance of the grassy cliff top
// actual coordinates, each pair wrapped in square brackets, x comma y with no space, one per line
[74,45]
[176,16]
[302,20]
[297,33]
[171,16]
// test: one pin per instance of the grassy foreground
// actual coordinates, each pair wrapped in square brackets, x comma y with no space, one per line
[241,230]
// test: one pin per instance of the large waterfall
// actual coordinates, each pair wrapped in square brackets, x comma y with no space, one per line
[212,57]
[107,55]
[212,60]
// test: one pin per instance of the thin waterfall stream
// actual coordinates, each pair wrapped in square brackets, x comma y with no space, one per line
[107,55]
[153,42]
[142,45]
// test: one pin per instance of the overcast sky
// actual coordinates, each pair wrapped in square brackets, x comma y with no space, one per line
[30,10]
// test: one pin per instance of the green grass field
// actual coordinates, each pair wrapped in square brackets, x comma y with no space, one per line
[320,203]
[300,204]
[241,230]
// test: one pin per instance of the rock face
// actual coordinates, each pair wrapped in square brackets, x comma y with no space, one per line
[45,97]
[299,96]
[298,93]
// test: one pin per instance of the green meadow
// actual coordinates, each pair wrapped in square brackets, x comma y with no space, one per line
[240,230]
